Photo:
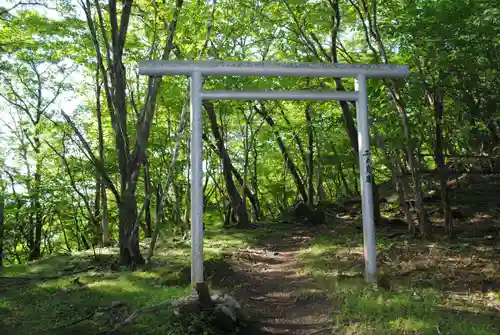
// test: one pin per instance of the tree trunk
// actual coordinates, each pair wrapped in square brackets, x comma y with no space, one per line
[130,158]
[102,187]
[356,180]
[319,173]
[377,216]
[105,218]
[422,215]
[395,166]
[65,236]
[284,204]
[234,196]
[249,194]
[187,194]
[342,175]
[147,211]
[159,217]
[2,219]
[130,253]
[369,22]
[77,229]
[310,163]
[286,155]
[184,226]
[437,102]
[37,242]
[97,206]
[101,212]
[86,245]
[246,160]
[297,139]
[254,181]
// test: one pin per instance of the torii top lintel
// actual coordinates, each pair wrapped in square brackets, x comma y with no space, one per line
[231,68]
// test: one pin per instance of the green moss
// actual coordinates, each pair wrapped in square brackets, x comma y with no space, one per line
[336,262]
[47,296]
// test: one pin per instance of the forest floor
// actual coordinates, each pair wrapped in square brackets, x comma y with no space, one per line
[292,277]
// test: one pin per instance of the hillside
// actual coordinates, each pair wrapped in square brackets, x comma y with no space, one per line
[289,278]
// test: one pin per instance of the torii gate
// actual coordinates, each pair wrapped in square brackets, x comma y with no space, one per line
[196,69]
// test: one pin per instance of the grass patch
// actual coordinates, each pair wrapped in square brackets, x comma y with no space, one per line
[47,296]
[427,293]
[41,307]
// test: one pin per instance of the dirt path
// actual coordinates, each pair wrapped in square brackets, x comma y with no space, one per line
[276,293]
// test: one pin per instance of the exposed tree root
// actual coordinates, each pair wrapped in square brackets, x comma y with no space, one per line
[87,317]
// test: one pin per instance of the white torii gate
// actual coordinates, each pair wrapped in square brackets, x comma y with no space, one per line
[196,69]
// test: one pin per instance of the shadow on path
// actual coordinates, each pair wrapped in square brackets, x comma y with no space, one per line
[275,291]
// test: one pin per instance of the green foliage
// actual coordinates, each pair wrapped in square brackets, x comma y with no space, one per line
[48,63]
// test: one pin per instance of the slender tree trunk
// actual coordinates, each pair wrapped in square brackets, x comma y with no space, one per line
[337,185]
[286,155]
[97,206]
[77,231]
[2,220]
[438,104]
[310,163]
[342,175]
[86,245]
[166,55]
[369,22]
[66,241]
[236,201]
[246,160]
[297,139]
[395,166]
[254,181]
[49,246]
[344,181]
[36,250]
[158,219]
[161,196]
[319,174]
[187,194]
[177,210]
[284,205]
[147,191]
[102,187]
[105,218]
[356,179]
[130,158]
[249,194]
[415,173]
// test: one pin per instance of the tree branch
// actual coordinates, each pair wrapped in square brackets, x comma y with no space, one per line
[135,315]
[95,161]
[24,3]
[95,41]
[302,34]
[323,51]
[72,180]
[124,20]
[145,118]
[365,28]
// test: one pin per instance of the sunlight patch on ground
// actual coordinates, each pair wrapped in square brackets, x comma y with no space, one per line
[409,324]
[173,253]
[411,307]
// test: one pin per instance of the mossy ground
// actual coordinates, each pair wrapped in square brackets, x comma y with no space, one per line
[434,288]
[437,286]
[47,296]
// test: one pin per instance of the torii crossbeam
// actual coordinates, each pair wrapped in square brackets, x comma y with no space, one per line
[196,69]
